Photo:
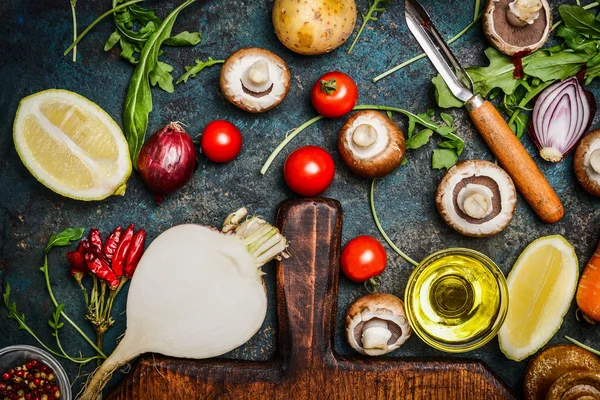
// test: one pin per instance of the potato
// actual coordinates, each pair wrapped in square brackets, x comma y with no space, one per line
[313,26]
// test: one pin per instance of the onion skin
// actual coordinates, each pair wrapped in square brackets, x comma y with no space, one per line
[167,161]
[564,103]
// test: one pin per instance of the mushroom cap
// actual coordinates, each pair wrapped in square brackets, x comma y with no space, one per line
[515,41]
[384,309]
[234,80]
[576,385]
[551,364]
[587,177]
[383,157]
[477,176]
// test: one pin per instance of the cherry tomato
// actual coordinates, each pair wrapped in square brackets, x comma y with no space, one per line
[334,94]
[309,171]
[363,258]
[221,141]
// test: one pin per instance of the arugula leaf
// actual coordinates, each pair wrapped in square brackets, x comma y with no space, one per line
[443,158]
[138,103]
[578,19]
[555,66]
[114,38]
[64,238]
[162,75]
[419,140]
[499,73]
[191,72]
[443,95]
[184,38]
[447,118]
[375,10]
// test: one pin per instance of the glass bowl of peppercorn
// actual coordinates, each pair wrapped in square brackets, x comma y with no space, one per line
[29,373]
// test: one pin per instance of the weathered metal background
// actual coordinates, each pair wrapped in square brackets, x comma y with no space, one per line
[33,36]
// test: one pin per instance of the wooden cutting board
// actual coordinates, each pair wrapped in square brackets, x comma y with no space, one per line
[306,366]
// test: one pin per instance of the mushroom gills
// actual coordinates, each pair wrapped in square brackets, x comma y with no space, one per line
[471,189]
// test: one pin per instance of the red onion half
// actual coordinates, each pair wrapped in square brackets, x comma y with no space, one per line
[562,114]
[167,161]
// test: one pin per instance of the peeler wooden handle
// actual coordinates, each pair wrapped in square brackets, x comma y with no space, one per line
[513,157]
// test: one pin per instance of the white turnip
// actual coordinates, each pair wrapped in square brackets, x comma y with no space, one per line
[197,293]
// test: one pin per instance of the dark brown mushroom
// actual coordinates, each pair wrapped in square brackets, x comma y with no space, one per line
[551,364]
[576,385]
[255,79]
[371,144]
[476,198]
[517,27]
[587,162]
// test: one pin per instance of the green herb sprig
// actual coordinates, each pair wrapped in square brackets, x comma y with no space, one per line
[450,149]
[375,10]
[74,18]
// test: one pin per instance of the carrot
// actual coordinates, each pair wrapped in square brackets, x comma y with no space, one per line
[588,292]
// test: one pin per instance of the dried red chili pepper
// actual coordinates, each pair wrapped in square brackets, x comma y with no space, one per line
[111,244]
[135,253]
[96,238]
[89,248]
[120,257]
[102,270]
[77,261]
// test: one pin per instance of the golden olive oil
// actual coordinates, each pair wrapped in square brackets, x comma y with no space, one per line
[455,299]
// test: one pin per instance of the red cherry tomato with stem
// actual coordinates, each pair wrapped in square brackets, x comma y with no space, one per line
[334,94]
[309,171]
[221,141]
[363,260]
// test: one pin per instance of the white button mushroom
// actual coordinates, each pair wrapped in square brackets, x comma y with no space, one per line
[371,144]
[376,324]
[255,79]
[476,198]
[587,162]
[517,27]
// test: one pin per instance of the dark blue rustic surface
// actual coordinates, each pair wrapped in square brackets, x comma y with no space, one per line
[33,36]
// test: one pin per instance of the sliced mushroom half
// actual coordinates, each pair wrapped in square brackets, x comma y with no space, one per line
[371,144]
[587,162]
[517,27]
[376,324]
[255,79]
[476,198]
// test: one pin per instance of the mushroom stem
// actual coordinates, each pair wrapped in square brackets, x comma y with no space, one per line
[595,160]
[475,205]
[364,135]
[523,12]
[258,73]
[375,337]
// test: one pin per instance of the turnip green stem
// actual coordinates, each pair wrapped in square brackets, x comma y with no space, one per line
[408,62]
[583,346]
[73,3]
[385,236]
[288,139]
[100,18]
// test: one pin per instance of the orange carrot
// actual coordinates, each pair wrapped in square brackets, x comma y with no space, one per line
[588,292]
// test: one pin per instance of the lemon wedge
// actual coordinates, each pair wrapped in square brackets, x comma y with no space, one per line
[71,145]
[541,287]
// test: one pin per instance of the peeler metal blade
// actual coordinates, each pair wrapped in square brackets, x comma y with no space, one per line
[437,50]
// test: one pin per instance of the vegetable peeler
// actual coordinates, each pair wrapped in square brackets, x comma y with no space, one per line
[503,143]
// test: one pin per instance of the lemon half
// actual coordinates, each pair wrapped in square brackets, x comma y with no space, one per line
[71,145]
[541,287]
